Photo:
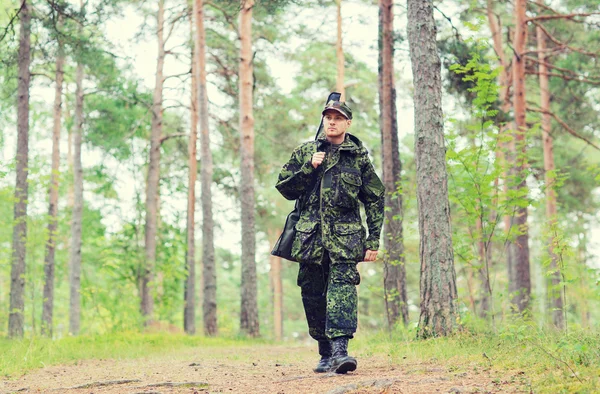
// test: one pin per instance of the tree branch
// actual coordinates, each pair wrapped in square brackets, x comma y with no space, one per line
[564,44]
[564,125]
[10,26]
[560,16]
[176,75]
[577,78]
[175,135]
[226,15]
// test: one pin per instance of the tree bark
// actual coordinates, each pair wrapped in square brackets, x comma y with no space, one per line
[554,292]
[276,287]
[438,277]
[518,249]
[505,82]
[394,269]
[76,227]
[189,311]
[19,243]
[152,186]
[209,274]
[485,292]
[249,309]
[48,302]
[339,51]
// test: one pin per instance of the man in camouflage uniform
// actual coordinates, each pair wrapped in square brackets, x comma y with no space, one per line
[330,176]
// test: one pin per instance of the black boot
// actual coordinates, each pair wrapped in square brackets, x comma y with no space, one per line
[340,361]
[325,352]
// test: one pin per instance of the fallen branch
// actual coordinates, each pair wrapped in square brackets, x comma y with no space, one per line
[175,384]
[100,384]
[565,126]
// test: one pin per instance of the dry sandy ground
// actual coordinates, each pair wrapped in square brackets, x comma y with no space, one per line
[258,369]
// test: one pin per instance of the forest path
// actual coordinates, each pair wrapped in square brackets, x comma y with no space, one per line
[273,369]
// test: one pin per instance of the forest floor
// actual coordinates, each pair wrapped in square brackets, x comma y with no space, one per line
[262,368]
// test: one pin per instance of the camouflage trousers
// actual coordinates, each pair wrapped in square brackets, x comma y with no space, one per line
[329,297]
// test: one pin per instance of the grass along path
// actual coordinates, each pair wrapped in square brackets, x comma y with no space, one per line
[170,363]
[255,369]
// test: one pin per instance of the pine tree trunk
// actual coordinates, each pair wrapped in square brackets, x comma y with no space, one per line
[17,274]
[48,302]
[551,212]
[249,308]
[209,274]
[339,51]
[276,287]
[394,269]
[485,290]
[519,246]
[505,82]
[189,312]
[76,228]
[438,278]
[152,186]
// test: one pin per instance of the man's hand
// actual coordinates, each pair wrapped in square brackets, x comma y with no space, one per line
[370,255]
[317,159]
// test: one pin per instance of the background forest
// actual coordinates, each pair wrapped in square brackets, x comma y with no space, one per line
[146,137]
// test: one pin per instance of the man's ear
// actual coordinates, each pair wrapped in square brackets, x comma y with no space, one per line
[349,122]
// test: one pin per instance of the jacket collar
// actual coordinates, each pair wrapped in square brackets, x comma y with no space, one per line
[351,143]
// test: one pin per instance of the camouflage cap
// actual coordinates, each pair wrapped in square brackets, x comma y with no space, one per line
[340,107]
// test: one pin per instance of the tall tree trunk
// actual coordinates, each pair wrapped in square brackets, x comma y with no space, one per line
[76,227]
[249,308]
[555,291]
[505,82]
[394,269]
[189,313]
[276,287]
[485,290]
[520,282]
[438,277]
[48,302]
[152,185]
[19,247]
[339,51]
[209,273]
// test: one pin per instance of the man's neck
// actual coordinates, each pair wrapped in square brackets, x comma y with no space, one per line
[336,140]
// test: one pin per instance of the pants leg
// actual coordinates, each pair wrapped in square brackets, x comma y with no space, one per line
[342,300]
[312,279]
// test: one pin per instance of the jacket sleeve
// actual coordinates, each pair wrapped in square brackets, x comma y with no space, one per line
[295,176]
[372,195]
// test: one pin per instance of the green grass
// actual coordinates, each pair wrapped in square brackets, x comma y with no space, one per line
[536,360]
[19,356]
[541,361]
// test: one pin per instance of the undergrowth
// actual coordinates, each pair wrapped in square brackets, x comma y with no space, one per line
[539,361]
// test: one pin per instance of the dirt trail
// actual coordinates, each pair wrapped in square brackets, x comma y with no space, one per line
[257,369]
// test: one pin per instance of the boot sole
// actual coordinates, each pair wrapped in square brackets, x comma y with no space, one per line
[345,367]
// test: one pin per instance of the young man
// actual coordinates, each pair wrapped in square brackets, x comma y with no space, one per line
[330,176]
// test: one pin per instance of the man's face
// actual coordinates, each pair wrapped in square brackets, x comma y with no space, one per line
[335,124]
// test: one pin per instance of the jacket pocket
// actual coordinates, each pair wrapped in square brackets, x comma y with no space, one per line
[349,239]
[348,187]
[307,246]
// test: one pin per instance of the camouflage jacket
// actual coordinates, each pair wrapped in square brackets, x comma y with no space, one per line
[330,194]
